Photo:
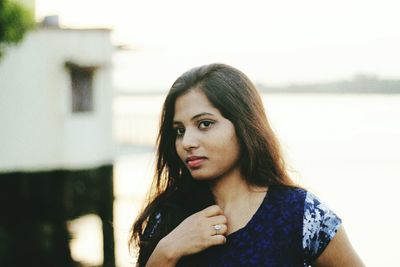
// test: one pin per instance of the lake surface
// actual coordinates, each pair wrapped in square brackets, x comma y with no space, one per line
[344,148]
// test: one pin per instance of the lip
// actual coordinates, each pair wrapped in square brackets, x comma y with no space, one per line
[195,161]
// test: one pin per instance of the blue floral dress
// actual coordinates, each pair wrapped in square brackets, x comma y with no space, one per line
[292,227]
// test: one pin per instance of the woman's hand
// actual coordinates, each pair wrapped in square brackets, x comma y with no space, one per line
[193,235]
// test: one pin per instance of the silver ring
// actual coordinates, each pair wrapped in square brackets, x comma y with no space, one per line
[217,227]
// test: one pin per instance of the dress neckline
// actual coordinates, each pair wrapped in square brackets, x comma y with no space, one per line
[254,217]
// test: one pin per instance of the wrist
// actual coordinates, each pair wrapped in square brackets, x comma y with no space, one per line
[170,253]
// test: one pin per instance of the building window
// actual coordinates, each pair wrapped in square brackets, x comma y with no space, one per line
[81,87]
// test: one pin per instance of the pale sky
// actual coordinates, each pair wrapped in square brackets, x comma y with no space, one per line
[273,42]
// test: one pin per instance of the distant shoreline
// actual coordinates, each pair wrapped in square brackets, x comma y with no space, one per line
[272,91]
[332,92]
[361,84]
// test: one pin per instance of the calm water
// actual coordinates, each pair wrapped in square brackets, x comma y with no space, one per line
[344,148]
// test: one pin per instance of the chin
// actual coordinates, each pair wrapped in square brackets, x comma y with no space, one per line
[202,177]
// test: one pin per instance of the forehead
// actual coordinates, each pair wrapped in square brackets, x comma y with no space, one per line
[193,103]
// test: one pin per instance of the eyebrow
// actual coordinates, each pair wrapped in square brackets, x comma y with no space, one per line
[196,117]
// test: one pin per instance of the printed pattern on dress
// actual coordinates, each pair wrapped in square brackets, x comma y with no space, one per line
[320,225]
[152,226]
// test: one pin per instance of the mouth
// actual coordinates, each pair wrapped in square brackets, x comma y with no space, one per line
[194,161]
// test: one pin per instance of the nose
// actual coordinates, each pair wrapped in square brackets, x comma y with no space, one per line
[189,140]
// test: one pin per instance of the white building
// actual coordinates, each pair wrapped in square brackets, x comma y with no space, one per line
[56,150]
[46,121]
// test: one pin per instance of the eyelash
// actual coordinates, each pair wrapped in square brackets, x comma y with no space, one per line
[205,121]
[201,126]
[177,131]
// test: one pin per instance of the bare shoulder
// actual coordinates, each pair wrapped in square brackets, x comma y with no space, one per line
[339,252]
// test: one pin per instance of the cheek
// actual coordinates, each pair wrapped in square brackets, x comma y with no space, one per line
[233,147]
[227,148]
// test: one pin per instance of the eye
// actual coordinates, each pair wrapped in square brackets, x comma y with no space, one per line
[179,131]
[205,124]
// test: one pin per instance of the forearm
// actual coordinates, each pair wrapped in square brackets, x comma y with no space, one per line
[163,255]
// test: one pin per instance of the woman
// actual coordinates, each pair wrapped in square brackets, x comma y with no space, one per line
[221,195]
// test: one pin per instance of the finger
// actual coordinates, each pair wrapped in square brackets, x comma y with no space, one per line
[218,219]
[222,229]
[217,240]
[212,211]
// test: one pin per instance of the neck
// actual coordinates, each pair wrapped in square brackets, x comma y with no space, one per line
[232,191]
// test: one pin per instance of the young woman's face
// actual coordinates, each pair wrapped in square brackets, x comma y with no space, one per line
[206,142]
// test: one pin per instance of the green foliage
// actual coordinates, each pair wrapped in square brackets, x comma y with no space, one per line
[15,21]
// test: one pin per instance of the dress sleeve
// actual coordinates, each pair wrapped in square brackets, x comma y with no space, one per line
[147,243]
[320,225]
[152,227]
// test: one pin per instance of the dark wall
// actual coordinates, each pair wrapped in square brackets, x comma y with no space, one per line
[34,208]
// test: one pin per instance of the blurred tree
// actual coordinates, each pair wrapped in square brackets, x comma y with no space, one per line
[15,21]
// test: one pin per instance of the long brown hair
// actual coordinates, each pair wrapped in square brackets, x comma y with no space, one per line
[174,192]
